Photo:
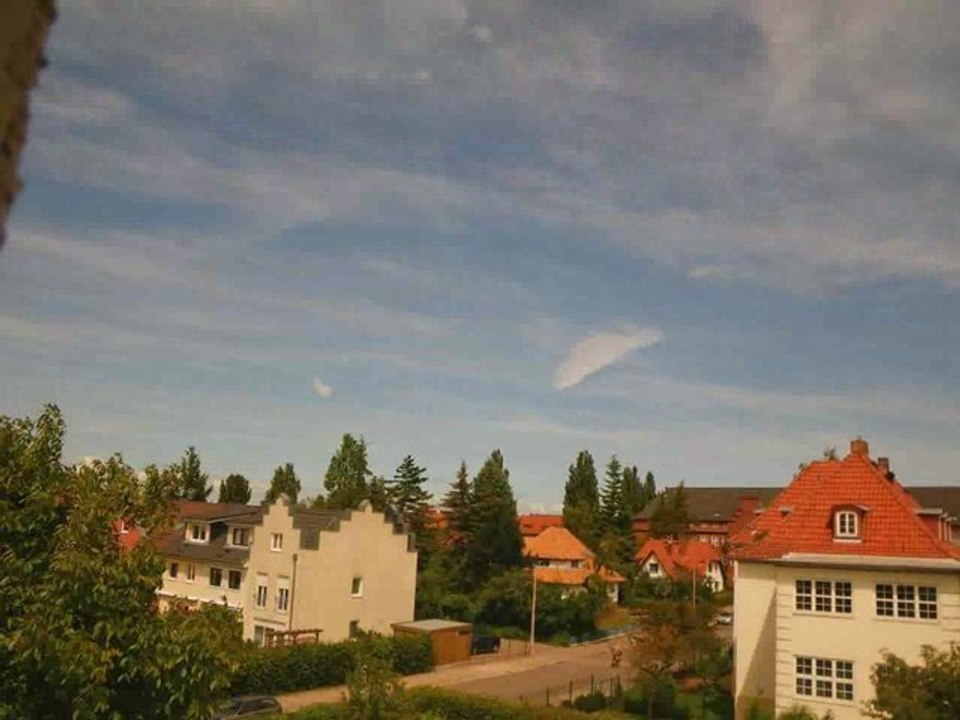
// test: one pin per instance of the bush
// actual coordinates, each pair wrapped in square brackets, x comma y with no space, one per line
[300,667]
[591,702]
[456,706]
[664,702]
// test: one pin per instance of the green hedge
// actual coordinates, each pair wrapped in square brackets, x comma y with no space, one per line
[312,665]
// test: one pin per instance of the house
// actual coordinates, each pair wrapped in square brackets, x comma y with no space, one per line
[560,558]
[715,512]
[679,559]
[842,565]
[533,524]
[285,568]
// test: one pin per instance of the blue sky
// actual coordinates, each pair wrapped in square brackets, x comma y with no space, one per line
[711,237]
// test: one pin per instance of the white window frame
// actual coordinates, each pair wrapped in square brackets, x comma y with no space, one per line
[846,525]
[823,678]
[262,592]
[276,542]
[823,597]
[245,532]
[283,595]
[191,573]
[653,568]
[356,582]
[907,601]
[197,533]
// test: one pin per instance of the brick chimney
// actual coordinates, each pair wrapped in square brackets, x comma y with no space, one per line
[859,447]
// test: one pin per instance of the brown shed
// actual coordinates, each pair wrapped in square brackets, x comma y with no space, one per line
[451,640]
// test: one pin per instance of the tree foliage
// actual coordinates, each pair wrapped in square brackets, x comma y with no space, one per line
[456,504]
[494,541]
[234,489]
[581,500]
[670,517]
[928,691]
[193,482]
[284,482]
[411,500]
[348,475]
[611,498]
[79,636]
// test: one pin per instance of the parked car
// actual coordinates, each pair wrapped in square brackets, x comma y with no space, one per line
[725,618]
[482,644]
[248,706]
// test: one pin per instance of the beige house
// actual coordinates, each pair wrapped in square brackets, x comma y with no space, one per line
[843,565]
[560,558]
[285,568]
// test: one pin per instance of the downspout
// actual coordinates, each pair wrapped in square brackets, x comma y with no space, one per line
[293,585]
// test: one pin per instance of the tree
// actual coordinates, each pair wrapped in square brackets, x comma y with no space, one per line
[581,499]
[374,689]
[456,503]
[929,691]
[611,506]
[378,493]
[79,635]
[234,489]
[656,650]
[670,517]
[411,499]
[649,489]
[160,487]
[284,482]
[494,542]
[193,481]
[348,475]
[633,497]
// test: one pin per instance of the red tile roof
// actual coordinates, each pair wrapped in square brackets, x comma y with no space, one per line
[800,518]
[679,557]
[534,524]
[556,543]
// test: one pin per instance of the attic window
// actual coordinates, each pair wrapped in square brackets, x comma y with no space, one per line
[846,525]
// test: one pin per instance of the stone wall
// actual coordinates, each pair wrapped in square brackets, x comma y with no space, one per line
[24,25]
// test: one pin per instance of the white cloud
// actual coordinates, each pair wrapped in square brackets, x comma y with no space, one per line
[599,351]
[322,389]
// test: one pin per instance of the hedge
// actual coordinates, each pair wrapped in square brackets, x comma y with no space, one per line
[312,665]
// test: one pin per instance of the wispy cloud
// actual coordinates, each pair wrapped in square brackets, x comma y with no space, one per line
[596,352]
[321,388]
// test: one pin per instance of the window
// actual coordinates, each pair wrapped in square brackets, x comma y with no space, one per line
[804,595]
[240,537]
[354,628]
[845,525]
[174,569]
[910,601]
[262,591]
[259,635]
[843,597]
[356,587]
[823,596]
[216,576]
[824,678]
[283,599]
[653,568]
[191,572]
[276,542]
[197,533]
[233,579]
[122,528]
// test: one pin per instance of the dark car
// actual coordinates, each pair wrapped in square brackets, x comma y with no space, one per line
[482,644]
[248,706]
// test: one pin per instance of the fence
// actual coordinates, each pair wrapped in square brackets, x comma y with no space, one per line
[555,695]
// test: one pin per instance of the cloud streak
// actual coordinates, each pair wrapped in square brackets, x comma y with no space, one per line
[321,389]
[596,352]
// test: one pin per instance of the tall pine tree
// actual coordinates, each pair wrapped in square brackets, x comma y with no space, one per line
[192,479]
[234,489]
[456,505]
[284,482]
[410,498]
[649,489]
[348,475]
[611,505]
[581,500]
[495,542]
[633,498]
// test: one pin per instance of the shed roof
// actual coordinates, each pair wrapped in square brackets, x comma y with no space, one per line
[432,625]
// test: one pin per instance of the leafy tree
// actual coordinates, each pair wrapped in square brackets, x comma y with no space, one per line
[649,489]
[411,499]
[494,542]
[348,475]
[611,506]
[928,691]
[160,487]
[633,497]
[193,481]
[378,493]
[655,651]
[234,489]
[374,689]
[581,500]
[457,504]
[284,482]
[79,635]
[670,517]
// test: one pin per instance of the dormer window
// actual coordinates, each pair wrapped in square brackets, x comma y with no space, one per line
[240,537]
[846,525]
[197,532]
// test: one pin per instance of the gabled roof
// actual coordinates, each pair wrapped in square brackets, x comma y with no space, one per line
[214,512]
[679,556]
[714,504]
[800,519]
[534,524]
[556,543]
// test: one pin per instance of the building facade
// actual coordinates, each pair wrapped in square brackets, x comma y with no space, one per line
[843,565]
[288,569]
[680,560]
[560,558]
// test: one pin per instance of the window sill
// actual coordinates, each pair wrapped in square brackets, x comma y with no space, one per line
[356,597]
[911,620]
[814,613]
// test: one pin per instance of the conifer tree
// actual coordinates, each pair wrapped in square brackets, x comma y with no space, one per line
[192,480]
[378,493]
[495,542]
[611,507]
[410,498]
[633,499]
[649,489]
[671,517]
[234,489]
[456,503]
[348,476]
[284,482]
[581,499]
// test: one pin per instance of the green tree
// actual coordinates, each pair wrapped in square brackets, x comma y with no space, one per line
[160,487]
[79,635]
[611,499]
[649,489]
[378,493]
[581,500]
[633,496]
[411,499]
[284,482]
[234,489]
[374,689]
[348,475]
[456,504]
[928,691]
[494,542]
[193,481]
[670,517]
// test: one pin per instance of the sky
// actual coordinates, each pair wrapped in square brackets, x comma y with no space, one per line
[714,238]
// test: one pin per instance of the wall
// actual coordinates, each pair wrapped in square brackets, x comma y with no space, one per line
[366,546]
[276,566]
[754,632]
[200,590]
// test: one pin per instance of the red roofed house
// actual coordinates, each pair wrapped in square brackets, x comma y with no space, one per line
[679,559]
[843,564]
[561,559]
[533,524]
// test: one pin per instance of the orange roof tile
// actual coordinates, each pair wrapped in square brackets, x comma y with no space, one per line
[556,543]
[679,557]
[800,518]
[574,576]
[534,524]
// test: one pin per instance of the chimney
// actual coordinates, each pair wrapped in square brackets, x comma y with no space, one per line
[859,447]
[884,465]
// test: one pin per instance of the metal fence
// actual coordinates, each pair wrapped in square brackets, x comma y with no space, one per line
[556,695]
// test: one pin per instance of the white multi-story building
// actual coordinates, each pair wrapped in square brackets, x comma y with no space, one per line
[843,565]
[285,568]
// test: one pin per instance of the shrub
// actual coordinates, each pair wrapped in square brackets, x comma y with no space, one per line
[591,702]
